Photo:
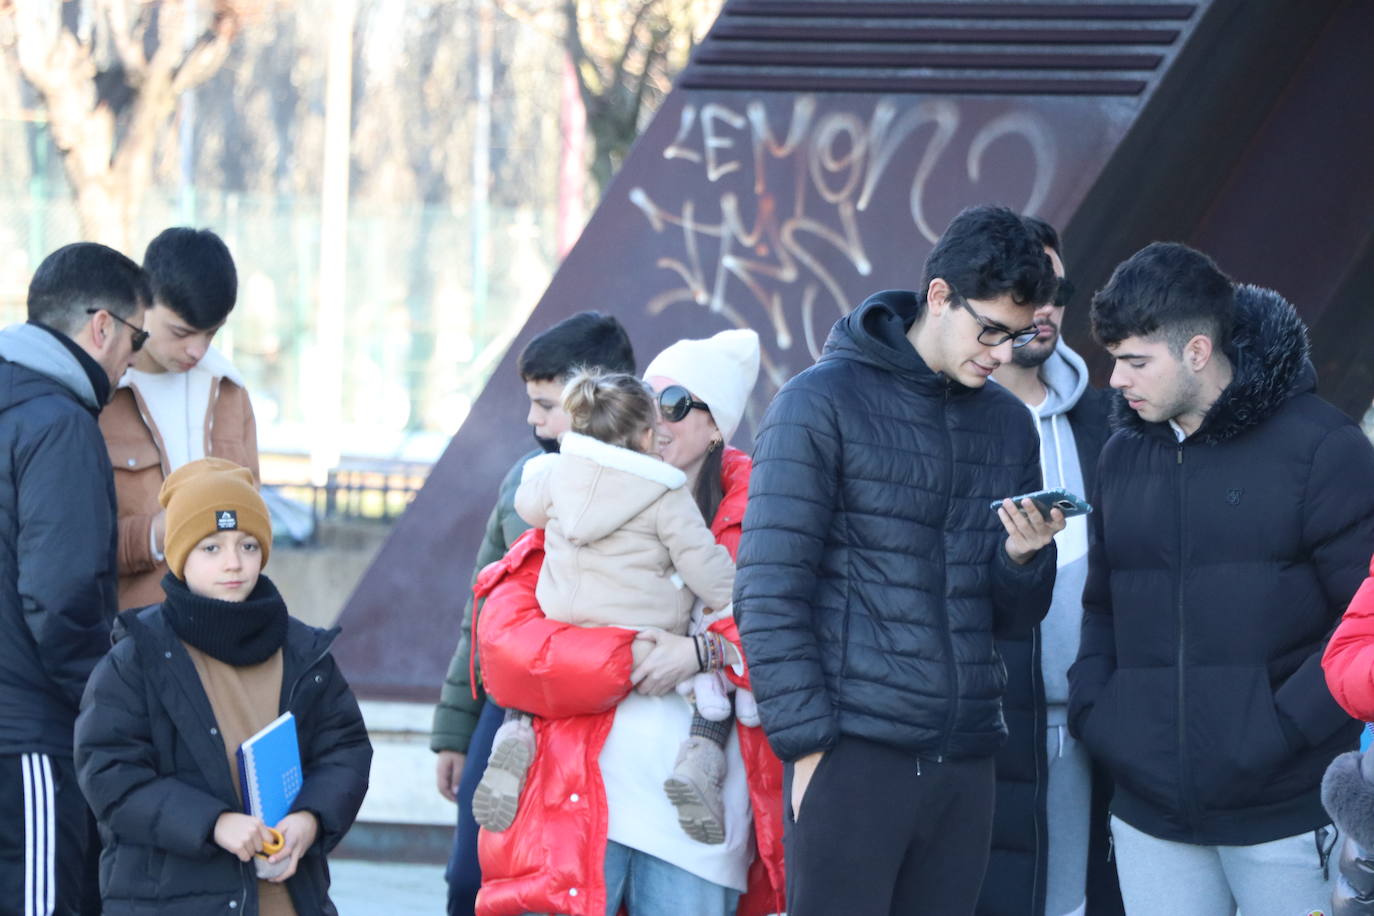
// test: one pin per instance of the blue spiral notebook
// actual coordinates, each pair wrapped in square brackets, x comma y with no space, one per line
[270,770]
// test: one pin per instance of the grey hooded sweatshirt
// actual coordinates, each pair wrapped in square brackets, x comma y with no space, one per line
[1066,376]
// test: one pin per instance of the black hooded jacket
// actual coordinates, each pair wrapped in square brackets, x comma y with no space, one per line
[1218,567]
[152,765]
[57,527]
[872,572]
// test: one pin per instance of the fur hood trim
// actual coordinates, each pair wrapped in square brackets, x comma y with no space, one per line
[1269,356]
[1349,799]
[649,467]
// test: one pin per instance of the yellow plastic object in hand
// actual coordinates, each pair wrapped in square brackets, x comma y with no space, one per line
[275,845]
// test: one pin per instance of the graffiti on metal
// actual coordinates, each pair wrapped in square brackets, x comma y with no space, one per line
[784,226]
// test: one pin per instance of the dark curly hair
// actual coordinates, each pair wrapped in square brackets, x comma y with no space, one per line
[987,252]
[1165,289]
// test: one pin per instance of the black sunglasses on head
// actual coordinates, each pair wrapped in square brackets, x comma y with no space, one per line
[1064,293]
[140,336]
[676,402]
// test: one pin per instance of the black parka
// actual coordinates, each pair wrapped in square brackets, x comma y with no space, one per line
[152,765]
[58,561]
[1218,567]
[872,572]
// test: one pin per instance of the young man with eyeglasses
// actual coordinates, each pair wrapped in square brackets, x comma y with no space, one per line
[1045,798]
[873,574]
[1234,523]
[181,400]
[465,721]
[57,570]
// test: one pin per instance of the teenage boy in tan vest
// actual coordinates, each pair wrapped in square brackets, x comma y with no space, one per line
[181,401]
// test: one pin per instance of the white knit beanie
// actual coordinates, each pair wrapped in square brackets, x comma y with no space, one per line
[719,370]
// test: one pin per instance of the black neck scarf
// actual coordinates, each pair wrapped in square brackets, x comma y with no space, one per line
[235,632]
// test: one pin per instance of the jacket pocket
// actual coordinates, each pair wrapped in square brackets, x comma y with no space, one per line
[133,454]
[811,787]
[1132,730]
[1235,742]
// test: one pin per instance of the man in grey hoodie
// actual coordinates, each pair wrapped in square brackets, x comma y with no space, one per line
[1040,843]
[58,560]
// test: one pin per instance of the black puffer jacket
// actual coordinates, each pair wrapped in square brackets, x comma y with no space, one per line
[152,765]
[1218,568]
[872,572]
[57,525]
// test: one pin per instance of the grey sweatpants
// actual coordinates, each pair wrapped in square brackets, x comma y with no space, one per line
[1280,878]
[1068,805]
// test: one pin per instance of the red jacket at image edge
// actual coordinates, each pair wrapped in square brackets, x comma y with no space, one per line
[1349,657]
[572,679]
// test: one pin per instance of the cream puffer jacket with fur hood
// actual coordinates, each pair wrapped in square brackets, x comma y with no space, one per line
[625,542]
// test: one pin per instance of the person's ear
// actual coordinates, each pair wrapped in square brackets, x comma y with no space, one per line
[1197,353]
[101,330]
[937,296]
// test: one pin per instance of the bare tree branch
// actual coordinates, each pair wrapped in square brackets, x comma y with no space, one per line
[206,56]
[631,39]
[109,118]
[127,42]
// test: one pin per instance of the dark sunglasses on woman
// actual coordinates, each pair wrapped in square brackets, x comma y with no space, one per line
[676,402]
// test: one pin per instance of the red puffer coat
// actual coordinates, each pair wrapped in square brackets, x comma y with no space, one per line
[1349,657]
[572,679]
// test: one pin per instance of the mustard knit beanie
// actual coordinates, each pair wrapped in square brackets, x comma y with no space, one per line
[208,496]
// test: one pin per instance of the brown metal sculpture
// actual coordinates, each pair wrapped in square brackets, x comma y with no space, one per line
[814,150]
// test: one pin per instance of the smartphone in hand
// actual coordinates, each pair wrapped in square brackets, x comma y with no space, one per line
[1058,498]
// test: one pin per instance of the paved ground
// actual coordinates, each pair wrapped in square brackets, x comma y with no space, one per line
[381,889]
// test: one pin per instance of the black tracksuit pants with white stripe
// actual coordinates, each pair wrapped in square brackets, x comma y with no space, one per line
[48,845]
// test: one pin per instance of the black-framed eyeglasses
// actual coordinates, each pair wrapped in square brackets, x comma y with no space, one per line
[994,335]
[676,402]
[1064,293]
[140,336]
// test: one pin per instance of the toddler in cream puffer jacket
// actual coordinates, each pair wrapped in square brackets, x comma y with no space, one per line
[625,545]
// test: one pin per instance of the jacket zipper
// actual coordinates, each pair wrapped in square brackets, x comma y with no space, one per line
[951,677]
[290,697]
[1184,781]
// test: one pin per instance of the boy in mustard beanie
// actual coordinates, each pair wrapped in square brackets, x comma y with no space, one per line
[187,681]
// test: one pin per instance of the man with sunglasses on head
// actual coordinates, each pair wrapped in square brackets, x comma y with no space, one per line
[57,568]
[182,400]
[873,575]
[1041,828]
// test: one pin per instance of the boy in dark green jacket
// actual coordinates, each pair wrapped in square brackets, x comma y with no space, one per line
[464,720]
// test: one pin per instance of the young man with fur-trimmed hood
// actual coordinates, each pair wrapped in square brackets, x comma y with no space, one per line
[1234,522]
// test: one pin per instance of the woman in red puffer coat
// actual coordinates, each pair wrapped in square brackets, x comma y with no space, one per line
[593,826]
[1348,789]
